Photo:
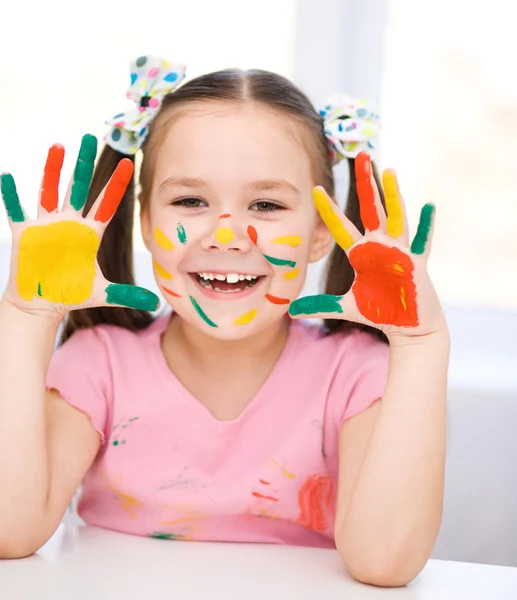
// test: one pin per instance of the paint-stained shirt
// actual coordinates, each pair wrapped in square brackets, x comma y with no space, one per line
[167,468]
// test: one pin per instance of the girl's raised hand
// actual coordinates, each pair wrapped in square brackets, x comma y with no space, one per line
[54,266]
[392,290]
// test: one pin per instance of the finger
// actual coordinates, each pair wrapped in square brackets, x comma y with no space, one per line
[422,241]
[325,306]
[372,213]
[341,228]
[396,220]
[131,296]
[49,190]
[83,172]
[106,206]
[12,204]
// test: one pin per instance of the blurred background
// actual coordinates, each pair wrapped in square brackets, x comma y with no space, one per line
[441,74]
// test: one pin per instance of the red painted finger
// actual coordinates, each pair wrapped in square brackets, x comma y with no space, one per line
[115,190]
[49,195]
[366,193]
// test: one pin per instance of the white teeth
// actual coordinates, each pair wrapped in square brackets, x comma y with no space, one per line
[229,277]
[232,278]
[220,277]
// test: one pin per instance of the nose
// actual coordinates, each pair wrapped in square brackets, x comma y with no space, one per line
[227,235]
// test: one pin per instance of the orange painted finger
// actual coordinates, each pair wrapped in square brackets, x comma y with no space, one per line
[115,190]
[365,192]
[49,193]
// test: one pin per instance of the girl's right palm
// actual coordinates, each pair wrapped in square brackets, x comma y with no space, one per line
[54,265]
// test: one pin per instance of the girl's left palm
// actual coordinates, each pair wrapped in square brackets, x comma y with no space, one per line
[392,290]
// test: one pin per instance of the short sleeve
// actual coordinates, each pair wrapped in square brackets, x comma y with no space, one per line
[79,371]
[361,376]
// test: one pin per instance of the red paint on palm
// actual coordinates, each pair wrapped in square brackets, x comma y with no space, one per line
[384,289]
[316,501]
[115,190]
[51,174]
[369,215]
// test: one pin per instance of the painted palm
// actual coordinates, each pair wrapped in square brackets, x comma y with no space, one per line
[392,290]
[54,258]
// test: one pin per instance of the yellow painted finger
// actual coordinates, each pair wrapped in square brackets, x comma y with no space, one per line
[395,216]
[331,220]
[161,271]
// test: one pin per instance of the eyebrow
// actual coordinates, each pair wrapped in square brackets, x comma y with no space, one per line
[261,185]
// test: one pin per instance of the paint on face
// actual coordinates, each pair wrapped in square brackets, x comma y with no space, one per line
[292,274]
[289,240]
[11,200]
[276,300]
[395,217]
[160,535]
[332,220]
[312,305]
[182,236]
[170,292]
[246,317]
[316,502]
[424,228]
[162,240]
[160,271]
[83,172]
[224,235]
[252,233]
[58,261]
[384,289]
[131,296]
[280,262]
[115,190]
[259,495]
[51,174]
[225,216]
[201,313]
[365,191]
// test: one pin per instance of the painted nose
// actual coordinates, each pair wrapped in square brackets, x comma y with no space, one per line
[227,238]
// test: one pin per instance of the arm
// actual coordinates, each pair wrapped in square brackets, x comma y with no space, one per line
[391,468]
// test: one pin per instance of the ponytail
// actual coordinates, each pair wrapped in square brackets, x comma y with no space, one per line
[115,255]
[340,275]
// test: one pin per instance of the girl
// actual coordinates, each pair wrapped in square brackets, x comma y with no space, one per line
[225,419]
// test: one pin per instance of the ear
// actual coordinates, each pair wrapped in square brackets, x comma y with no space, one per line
[322,241]
[145,224]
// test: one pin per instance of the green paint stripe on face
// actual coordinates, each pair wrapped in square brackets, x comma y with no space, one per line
[10,198]
[83,172]
[311,305]
[424,227]
[201,312]
[131,296]
[280,262]
[182,236]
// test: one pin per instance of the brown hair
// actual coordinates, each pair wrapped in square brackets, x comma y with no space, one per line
[232,85]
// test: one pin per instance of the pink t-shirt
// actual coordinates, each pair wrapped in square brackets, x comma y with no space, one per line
[167,468]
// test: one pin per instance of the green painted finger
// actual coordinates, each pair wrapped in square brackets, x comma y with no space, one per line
[10,197]
[311,305]
[424,227]
[131,296]
[83,172]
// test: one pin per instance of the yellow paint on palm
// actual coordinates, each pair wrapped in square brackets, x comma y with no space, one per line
[246,317]
[224,235]
[331,220]
[292,274]
[395,217]
[161,271]
[57,262]
[289,240]
[402,299]
[162,240]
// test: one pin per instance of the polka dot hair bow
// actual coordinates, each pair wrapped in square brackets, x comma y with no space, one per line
[152,78]
[351,125]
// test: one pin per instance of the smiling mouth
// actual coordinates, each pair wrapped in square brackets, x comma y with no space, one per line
[226,283]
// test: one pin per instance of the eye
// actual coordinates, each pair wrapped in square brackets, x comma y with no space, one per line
[190,202]
[266,206]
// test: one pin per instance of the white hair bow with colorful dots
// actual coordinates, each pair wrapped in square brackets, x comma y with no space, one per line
[351,125]
[152,78]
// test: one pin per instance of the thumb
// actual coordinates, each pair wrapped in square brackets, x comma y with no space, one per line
[130,296]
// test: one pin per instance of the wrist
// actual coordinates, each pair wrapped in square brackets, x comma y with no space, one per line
[20,320]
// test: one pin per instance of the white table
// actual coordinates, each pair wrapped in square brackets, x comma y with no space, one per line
[95,564]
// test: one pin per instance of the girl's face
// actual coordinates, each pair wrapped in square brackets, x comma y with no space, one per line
[230,222]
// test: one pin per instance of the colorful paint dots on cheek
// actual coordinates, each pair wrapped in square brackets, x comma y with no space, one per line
[170,292]
[162,240]
[161,272]
[292,274]
[224,235]
[246,318]
[201,312]
[182,236]
[276,300]
[288,240]
[252,233]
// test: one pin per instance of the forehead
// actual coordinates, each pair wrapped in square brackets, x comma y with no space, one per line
[237,140]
